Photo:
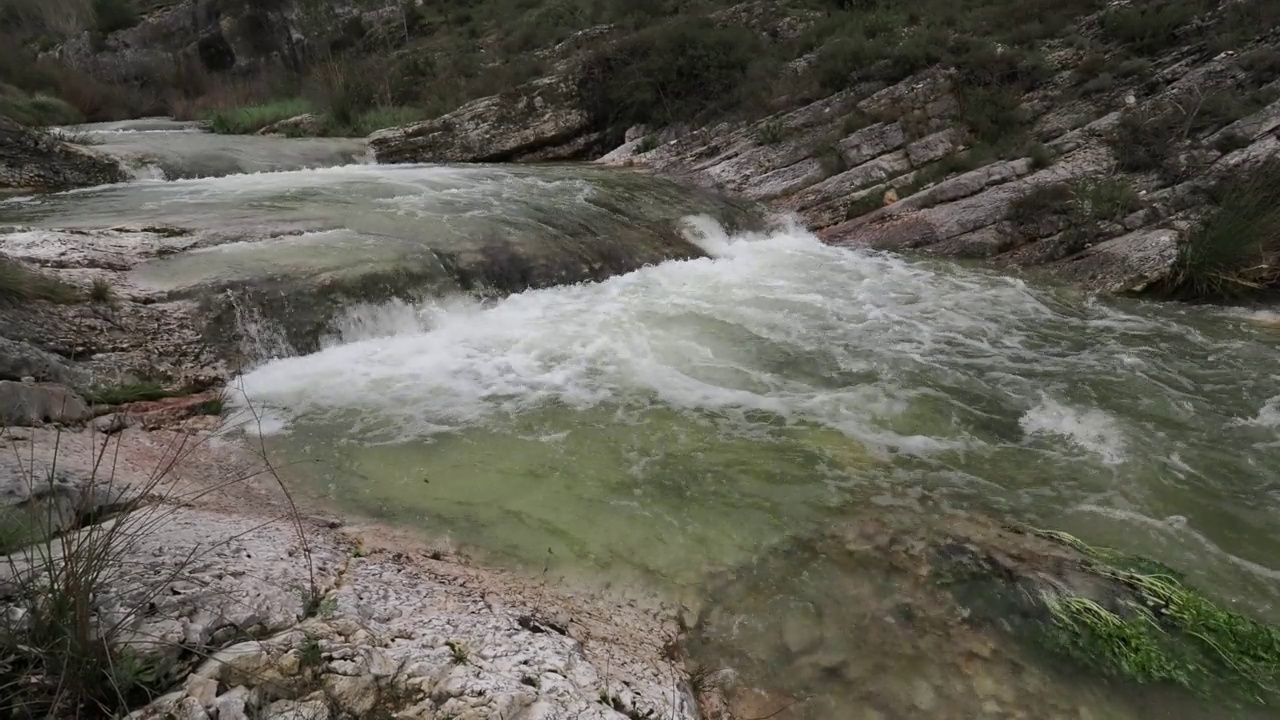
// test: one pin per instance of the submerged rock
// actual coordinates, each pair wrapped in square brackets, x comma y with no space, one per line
[30,160]
[949,614]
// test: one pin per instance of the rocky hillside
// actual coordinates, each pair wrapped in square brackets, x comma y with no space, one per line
[1098,141]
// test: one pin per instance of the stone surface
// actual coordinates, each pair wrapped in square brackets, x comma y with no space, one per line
[31,160]
[528,119]
[1131,263]
[308,124]
[34,404]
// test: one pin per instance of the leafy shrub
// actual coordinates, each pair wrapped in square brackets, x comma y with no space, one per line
[1087,203]
[1235,252]
[675,72]
[1041,156]
[1151,27]
[1145,141]
[993,114]
[1104,199]
[1041,201]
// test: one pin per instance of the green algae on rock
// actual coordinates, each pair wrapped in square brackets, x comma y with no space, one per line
[1164,632]
[996,620]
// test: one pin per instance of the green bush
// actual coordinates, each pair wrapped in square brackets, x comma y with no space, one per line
[1104,199]
[677,72]
[252,118]
[1235,252]
[1145,141]
[19,284]
[1041,201]
[37,111]
[993,115]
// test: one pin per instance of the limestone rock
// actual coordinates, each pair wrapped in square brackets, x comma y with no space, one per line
[35,404]
[31,160]
[307,124]
[21,359]
[530,118]
[1127,264]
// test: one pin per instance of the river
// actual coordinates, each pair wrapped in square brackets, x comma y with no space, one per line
[670,424]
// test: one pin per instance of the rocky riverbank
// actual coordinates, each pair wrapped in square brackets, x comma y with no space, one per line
[233,602]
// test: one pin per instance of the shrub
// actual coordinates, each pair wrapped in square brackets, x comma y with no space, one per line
[1041,201]
[993,114]
[1151,27]
[1041,156]
[681,71]
[771,133]
[1103,199]
[1235,252]
[1086,202]
[1145,141]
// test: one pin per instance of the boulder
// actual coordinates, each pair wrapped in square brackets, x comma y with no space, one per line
[27,404]
[530,118]
[31,160]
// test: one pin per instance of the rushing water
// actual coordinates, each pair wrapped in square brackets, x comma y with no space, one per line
[682,421]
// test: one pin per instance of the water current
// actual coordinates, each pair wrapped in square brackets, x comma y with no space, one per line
[678,422]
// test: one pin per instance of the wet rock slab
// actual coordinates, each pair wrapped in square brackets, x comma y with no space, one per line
[900,615]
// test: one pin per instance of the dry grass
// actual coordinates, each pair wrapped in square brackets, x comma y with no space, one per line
[61,653]
[18,284]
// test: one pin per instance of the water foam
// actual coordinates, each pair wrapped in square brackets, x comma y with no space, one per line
[1088,428]
[724,334]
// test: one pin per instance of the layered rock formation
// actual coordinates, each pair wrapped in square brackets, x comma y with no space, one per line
[31,160]
[835,162]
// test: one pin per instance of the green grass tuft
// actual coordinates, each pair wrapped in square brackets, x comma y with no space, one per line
[19,285]
[1166,633]
[101,291]
[129,393]
[252,118]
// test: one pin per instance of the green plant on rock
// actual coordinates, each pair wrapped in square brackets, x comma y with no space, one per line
[771,133]
[101,291]
[1104,199]
[1235,251]
[18,284]
[125,393]
[1164,632]
[458,652]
